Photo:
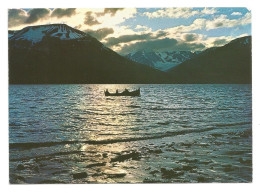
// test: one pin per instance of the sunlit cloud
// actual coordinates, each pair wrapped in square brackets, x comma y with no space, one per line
[208,11]
[100,33]
[220,21]
[180,12]
[143,28]
[172,13]
[127,29]
[223,21]
[236,13]
[217,41]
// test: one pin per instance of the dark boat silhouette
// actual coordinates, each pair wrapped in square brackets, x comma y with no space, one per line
[124,93]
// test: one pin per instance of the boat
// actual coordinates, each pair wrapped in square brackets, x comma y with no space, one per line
[124,93]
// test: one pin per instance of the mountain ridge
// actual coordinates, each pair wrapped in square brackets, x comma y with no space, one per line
[231,63]
[59,54]
[45,57]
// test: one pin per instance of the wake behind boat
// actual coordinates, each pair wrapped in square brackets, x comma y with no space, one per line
[124,93]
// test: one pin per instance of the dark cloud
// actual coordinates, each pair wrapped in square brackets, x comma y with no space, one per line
[63,12]
[190,37]
[36,15]
[220,42]
[161,34]
[161,45]
[100,33]
[16,17]
[78,26]
[111,11]
[90,20]
[128,38]
[218,24]
[189,46]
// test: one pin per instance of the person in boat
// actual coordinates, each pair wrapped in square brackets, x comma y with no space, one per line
[126,91]
[116,91]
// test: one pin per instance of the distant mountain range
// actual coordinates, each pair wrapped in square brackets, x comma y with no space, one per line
[161,60]
[57,53]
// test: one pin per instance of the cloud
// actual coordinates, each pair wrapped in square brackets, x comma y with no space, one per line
[208,11]
[112,41]
[143,28]
[111,11]
[190,37]
[220,42]
[223,21]
[16,17]
[109,26]
[126,38]
[63,12]
[179,12]
[20,18]
[100,33]
[217,41]
[236,13]
[220,21]
[37,14]
[161,45]
[90,19]
[172,13]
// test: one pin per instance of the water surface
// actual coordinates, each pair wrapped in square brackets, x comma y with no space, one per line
[172,133]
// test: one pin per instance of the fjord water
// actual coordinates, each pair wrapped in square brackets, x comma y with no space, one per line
[172,133]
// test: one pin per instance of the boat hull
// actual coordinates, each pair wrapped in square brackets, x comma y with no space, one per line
[134,93]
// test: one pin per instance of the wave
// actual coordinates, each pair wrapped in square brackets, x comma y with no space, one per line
[163,123]
[233,124]
[175,109]
[79,118]
[133,106]
[109,141]
[45,156]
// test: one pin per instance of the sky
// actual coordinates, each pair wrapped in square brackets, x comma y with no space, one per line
[127,30]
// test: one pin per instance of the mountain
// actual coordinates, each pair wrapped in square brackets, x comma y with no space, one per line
[35,34]
[58,53]
[164,60]
[231,63]
[11,33]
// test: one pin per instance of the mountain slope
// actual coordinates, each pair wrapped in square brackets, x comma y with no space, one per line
[161,60]
[58,53]
[11,33]
[37,33]
[231,63]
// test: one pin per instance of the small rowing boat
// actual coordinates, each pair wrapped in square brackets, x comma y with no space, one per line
[124,93]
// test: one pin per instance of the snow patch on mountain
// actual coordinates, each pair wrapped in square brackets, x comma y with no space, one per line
[11,33]
[36,33]
[161,60]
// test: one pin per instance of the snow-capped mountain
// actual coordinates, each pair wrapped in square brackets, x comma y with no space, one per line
[164,60]
[59,54]
[37,33]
